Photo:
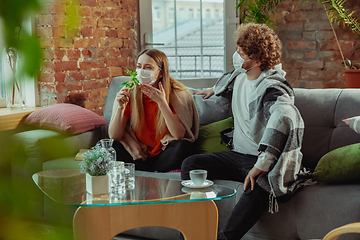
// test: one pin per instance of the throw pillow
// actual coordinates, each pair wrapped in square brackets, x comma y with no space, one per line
[209,136]
[341,165]
[354,123]
[65,118]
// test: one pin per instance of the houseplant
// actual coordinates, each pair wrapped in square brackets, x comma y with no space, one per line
[97,163]
[338,14]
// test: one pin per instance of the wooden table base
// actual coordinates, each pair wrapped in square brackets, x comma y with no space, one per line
[196,220]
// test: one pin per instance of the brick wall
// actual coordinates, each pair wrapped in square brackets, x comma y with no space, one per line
[311,56]
[80,62]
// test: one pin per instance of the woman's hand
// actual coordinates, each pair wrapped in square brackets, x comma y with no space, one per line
[207,92]
[251,177]
[157,95]
[123,97]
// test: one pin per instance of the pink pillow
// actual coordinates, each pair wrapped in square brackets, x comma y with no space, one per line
[65,118]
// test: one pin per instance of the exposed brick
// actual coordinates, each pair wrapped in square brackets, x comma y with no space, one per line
[47,66]
[301,44]
[111,33]
[320,25]
[59,8]
[60,77]
[104,73]
[116,71]
[86,43]
[46,42]
[88,22]
[116,43]
[129,23]
[89,64]
[98,33]
[115,62]
[327,75]
[60,21]
[96,12]
[128,53]
[111,23]
[48,54]
[129,44]
[310,64]
[90,105]
[86,53]
[87,32]
[94,84]
[126,34]
[73,54]
[308,74]
[44,20]
[59,32]
[111,13]
[113,52]
[84,11]
[65,65]
[91,74]
[63,42]
[311,54]
[90,3]
[332,45]
[46,77]
[60,53]
[111,3]
[43,31]
[76,75]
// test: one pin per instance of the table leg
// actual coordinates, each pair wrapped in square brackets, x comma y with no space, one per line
[196,220]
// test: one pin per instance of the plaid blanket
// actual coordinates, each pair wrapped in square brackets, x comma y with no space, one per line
[276,124]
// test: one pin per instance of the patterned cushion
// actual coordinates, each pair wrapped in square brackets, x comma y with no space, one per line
[65,118]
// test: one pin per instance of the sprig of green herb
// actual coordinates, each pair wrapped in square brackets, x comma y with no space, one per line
[133,80]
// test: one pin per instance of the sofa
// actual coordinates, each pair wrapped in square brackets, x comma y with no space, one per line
[310,214]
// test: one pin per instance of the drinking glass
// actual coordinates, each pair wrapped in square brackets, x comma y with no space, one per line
[129,175]
[118,178]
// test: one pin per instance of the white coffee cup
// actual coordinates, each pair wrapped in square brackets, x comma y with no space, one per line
[198,176]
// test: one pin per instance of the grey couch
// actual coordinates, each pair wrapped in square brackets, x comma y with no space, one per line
[310,214]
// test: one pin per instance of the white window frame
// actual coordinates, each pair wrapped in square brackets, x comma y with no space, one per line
[230,22]
[29,92]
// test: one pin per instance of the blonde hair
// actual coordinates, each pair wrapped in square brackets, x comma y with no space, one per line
[169,84]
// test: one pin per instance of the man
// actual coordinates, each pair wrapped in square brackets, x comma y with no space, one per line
[268,130]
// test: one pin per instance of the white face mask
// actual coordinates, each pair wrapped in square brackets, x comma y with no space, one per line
[146,76]
[238,62]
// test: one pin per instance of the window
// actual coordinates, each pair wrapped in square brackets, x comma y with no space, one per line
[2,84]
[191,13]
[199,44]
[157,16]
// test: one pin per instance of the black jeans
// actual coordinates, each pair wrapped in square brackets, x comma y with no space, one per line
[232,166]
[170,159]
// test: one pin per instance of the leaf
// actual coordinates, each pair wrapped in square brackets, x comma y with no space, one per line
[133,80]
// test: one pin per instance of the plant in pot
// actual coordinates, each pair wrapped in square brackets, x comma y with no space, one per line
[97,163]
[338,14]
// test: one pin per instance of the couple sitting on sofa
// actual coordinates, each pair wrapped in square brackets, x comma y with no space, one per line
[156,123]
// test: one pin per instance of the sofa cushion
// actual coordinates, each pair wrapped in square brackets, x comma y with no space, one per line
[65,118]
[340,165]
[209,136]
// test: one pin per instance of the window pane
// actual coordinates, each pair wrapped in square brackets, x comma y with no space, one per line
[2,78]
[194,37]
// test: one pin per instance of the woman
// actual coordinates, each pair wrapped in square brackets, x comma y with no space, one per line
[156,123]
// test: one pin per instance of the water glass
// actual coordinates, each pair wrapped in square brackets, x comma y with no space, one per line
[129,175]
[118,178]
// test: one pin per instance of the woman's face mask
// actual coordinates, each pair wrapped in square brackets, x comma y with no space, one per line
[146,76]
[238,62]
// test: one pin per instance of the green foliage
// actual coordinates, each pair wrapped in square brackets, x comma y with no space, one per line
[133,80]
[97,161]
[257,11]
[338,14]
[349,64]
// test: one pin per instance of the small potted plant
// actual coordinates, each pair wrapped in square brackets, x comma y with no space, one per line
[352,73]
[97,163]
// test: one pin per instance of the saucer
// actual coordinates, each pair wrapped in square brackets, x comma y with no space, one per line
[190,184]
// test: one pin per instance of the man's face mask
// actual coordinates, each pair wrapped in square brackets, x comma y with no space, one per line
[238,62]
[146,76]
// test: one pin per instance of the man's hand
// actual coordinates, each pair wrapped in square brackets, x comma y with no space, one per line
[251,177]
[207,92]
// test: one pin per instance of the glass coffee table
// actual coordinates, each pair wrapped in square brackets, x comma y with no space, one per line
[153,202]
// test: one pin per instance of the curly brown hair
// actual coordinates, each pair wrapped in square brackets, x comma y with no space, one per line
[260,43]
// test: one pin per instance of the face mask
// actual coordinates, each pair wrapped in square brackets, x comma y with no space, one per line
[238,61]
[146,76]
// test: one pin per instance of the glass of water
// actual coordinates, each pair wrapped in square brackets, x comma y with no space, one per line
[118,178]
[129,175]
